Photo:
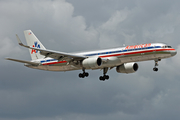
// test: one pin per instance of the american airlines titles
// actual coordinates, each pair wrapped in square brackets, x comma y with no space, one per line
[138,46]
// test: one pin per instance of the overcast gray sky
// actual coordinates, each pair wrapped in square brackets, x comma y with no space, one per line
[77,25]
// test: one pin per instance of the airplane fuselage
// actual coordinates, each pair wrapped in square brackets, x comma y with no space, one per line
[112,57]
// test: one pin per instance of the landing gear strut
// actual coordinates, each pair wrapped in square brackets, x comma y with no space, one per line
[156,64]
[84,74]
[104,77]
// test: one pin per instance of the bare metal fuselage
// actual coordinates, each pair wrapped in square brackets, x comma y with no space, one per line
[113,57]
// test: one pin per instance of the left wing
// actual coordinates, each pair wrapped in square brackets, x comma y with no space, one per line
[59,55]
[54,54]
[23,61]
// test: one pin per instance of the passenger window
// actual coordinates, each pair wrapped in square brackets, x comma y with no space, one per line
[169,47]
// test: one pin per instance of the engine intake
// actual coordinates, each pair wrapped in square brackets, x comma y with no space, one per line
[127,68]
[92,62]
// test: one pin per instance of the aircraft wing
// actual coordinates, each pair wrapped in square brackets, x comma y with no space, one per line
[23,61]
[59,55]
[54,54]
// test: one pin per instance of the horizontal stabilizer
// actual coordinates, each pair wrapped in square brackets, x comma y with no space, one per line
[23,61]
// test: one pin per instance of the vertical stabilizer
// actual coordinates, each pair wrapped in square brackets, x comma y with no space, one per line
[33,41]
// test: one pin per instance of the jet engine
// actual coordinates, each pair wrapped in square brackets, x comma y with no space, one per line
[92,62]
[127,68]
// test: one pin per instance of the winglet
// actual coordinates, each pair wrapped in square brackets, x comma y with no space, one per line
[20,43]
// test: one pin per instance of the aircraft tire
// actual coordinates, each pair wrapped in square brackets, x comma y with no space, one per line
[106,77]
[81,75]
[86,74]
[101,78]
[155,69]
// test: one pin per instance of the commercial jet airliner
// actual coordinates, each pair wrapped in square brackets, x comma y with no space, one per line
[122,58]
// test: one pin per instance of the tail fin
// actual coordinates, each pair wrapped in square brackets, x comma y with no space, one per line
[33,41]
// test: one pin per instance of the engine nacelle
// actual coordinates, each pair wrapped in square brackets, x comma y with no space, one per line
[92,62]
[127,68]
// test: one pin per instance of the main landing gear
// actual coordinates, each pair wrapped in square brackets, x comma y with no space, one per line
[104,77]
[84,74]
[156,64]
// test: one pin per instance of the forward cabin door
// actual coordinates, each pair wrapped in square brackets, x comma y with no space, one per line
[154,50]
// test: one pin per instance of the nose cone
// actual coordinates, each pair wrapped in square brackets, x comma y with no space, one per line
[173,53]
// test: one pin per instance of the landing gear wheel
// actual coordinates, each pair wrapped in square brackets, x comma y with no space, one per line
[102,78]
[106,77]
[86,74]
[156,64]
[81,75]
[155,69]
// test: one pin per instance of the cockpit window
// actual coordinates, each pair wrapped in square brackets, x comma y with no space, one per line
[169,47]
[166,47]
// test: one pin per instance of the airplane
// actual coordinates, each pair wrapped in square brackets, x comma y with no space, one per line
[122,58]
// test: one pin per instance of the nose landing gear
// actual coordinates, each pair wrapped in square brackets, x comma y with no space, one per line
[155,69]
[156,64]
